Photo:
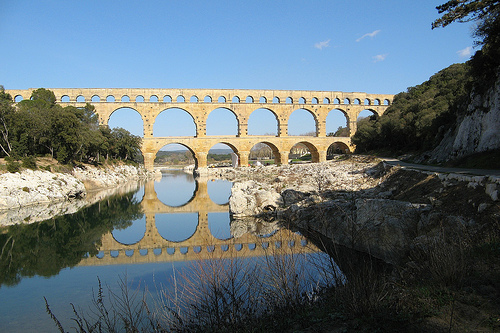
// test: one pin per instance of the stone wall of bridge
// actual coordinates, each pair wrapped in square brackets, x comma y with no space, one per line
[198,103]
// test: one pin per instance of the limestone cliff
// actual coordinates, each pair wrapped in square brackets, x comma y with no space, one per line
[478,130]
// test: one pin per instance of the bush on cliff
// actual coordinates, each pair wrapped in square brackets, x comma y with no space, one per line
[417,118]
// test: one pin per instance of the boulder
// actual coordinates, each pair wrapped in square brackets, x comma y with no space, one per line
[249,199]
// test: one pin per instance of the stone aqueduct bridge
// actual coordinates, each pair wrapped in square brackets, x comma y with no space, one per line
[200,245]
[149,103]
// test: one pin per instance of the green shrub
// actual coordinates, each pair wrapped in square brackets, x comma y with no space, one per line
[13,166]
[29,162]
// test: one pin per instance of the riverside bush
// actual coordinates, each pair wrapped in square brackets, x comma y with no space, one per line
[29,162]
[13,166]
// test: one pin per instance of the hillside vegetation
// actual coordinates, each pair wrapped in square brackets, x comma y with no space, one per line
[417,118]
[421,117]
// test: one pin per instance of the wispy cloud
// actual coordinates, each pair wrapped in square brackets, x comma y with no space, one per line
[370,34]
[465,52]
[322,45]
[379,57]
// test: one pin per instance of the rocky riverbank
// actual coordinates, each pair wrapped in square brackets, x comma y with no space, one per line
[59,193]
[366,205]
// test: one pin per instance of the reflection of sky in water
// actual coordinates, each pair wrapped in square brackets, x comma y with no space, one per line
[132,234]
[139,194]
[176,227]
[24,308]
[219,191]
[218,223]
[136,231]
[175,189]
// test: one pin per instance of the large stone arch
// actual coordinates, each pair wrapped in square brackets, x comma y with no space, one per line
[233,147]
[337,147]
[331,118]
[279,158]
[175,108]
[375,112]
[211,113]
[267,110]
[315,153]
[108,117]
[309,111]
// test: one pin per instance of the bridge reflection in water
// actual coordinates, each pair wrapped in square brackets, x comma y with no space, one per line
[202,244]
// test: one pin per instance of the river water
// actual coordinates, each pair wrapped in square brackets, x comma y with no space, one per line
[145,235]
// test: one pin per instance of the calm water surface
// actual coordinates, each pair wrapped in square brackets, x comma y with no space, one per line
[143,235]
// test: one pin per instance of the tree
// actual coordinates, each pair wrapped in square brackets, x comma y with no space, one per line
[416,118]
[485,63]
[465,11]
[6,115]
[341,131]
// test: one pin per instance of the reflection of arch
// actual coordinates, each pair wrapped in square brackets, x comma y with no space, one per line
[176,227]
[200,245]
[221,117]
[178,194]
[219,185]
[218,222]
[118,233]
[184,124]
[263,115]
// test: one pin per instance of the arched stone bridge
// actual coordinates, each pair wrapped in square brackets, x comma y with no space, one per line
[198,103]
[201,245]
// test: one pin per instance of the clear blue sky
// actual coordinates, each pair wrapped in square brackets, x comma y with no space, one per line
[357,45]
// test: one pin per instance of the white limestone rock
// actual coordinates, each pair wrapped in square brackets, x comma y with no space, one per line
[34,187]
[248,199]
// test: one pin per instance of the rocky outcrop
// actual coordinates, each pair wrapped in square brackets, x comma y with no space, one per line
[381,210]
[44,188]
[37,187]
[95,178]
[44,211]
[249,198]
[476,131]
